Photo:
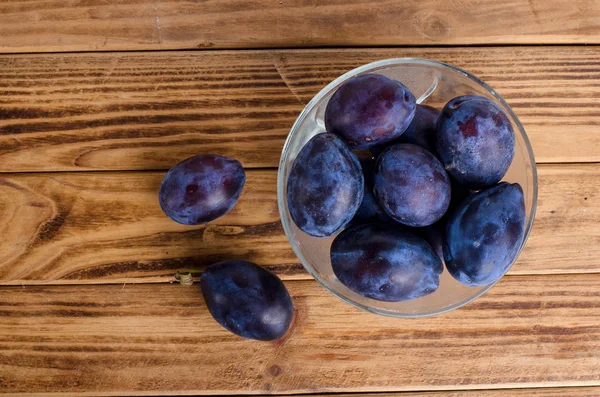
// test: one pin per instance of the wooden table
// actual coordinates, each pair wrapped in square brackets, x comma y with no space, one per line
[97,101]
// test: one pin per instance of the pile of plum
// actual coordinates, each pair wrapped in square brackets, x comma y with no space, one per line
[241,296]
[408,188]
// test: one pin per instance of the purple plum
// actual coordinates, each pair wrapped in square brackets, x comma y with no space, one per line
[475,141]
[247,300]
[484,234]
[370,110]
[384,262]
[411,185]
[201,189]
[421,130]
[325,186]
[369,209]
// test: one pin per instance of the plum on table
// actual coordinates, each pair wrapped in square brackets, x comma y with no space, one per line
[201,189]
[247,300]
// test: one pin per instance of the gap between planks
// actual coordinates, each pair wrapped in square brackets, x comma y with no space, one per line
[300,48]
[534,391]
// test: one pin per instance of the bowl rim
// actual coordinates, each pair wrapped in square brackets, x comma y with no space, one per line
[281,196]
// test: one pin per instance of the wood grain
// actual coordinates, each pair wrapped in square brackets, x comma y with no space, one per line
[140,111]
[83,227]
[42,25]
[150,339]
[108,228]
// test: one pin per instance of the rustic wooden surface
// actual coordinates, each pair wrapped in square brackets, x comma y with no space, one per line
[85,138]
[66,228]
[124,111]
[158,338]
[54,25]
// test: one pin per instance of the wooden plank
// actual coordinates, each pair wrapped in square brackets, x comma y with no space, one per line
[140,111]
[108,228]
[85,227]
[536,392]
[566,204]
[52,25]
[152,339]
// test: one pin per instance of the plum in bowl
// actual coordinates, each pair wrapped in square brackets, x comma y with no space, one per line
[430,85]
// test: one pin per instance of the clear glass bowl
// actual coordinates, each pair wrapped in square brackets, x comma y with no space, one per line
[433,83]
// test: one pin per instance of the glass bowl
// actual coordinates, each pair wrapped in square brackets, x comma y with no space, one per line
[433,83]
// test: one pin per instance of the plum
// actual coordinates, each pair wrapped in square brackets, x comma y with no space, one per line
[434,234]
[384,262]
[369,209]
[325,186]
[369,110]
[420,132]
[422,129]
[475,141]
[201,189]
[484,234]
[411,185]
[247,300]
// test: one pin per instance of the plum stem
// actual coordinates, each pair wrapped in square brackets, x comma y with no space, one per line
[185,277]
